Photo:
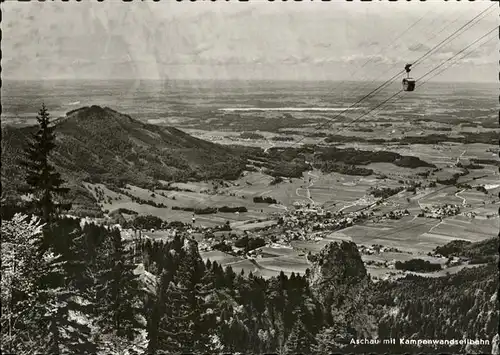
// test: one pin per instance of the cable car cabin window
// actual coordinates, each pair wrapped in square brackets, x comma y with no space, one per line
[408,84]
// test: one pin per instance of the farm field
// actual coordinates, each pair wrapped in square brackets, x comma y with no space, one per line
[256,184]
[338,189]
[231,137]
[419,235]
[284,259]
[194,186]
[445,195]
[309,246]
[489,211]
[112,201]
[415,236]
[451,270]
[395,172]
[244,265]
[392,256]
[249,225]
[473,230]
[325,190]
[332,191]
[257,269]
[385,273]
[220,257]
[159,234]
[279,251]
[289,264]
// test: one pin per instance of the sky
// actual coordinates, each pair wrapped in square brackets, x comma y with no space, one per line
[258,39]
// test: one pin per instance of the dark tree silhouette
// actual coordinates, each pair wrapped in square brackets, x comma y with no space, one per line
[43,183]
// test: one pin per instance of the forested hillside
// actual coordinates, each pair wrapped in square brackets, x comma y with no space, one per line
[458,306]
[100,144]
[93,291]
[96,144]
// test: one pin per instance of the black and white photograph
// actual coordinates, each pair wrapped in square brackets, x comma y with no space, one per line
[250,177]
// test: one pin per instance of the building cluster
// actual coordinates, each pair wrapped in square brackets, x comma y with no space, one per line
[376,249]
[455,261]
[209,240]
[304,224]
[472,215]
[301,223]
[446,210]
[214,138]
[381,263]
[395,214]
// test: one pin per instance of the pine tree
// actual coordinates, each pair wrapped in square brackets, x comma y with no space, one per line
[43,183]
[21,268]
[156,309]
[47,311]
[175,335]
[299,340]
[204,317]
[120,298]
[332,340]
[235,335]
[199,289]
[60,311]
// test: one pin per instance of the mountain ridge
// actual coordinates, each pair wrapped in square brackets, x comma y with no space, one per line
[101,145]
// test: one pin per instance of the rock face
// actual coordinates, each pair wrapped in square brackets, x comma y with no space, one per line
[336,266]
[495,350]
[339,280]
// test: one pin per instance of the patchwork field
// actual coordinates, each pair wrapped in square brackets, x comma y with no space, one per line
[112,200]
[220,257]
[419,235]
[384,273]
[336,191]
[287,260]
[246,266]
[415,236]
[280,251]
[286,263]
[473,230]
[245,226]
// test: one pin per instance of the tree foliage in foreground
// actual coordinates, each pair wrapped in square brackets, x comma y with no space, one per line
[65,298]
[88,295]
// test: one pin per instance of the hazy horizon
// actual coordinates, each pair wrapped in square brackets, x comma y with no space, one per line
[295,41]
[372,82]
[176,101]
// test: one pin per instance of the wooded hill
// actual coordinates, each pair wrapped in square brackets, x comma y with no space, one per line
[102,145]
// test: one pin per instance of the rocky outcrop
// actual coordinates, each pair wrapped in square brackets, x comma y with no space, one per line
[336,266]
[495,350]
[339,280]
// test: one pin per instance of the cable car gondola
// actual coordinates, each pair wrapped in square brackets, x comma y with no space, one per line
[408,83]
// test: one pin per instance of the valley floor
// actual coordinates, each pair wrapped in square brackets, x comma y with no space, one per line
[413,235]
